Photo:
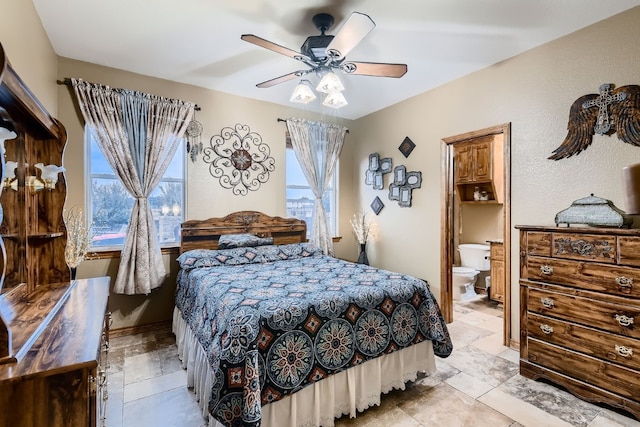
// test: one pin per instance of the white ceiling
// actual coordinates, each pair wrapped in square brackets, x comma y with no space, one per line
[198,41]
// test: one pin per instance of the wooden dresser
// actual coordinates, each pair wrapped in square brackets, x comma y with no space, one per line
[61,380]
[580,311]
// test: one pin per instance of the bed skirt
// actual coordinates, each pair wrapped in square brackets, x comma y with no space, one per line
[319,403]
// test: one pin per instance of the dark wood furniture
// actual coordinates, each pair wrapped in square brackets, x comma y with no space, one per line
[479,164]
[53,331]
[204,234]
[496,254]
[580,311]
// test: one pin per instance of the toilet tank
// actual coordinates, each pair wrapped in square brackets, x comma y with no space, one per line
[475,255]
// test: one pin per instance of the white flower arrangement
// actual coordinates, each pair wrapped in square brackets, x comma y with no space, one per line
[78,237]
[361,226]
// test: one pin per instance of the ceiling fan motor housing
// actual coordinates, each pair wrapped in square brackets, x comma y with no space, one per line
[315,47]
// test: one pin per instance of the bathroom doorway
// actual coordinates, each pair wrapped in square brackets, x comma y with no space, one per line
[454,197]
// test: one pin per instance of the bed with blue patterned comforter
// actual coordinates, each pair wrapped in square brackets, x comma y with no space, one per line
[274,319]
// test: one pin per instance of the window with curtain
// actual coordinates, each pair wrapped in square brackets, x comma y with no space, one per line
[300,197]
[109,203]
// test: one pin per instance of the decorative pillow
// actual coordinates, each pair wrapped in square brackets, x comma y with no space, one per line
[228,241]
[211,258]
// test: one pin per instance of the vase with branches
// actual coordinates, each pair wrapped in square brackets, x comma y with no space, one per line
[361,229]
[79,238]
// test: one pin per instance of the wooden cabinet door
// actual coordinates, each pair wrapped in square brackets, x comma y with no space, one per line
[463,164]
[481,155]
[497,272]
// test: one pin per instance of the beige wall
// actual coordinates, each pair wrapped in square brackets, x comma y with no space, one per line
[205,197]
[533,91]
[29,51]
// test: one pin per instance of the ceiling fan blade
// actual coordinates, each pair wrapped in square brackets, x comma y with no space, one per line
[258,41]
[358,25]
[283,79]
[378,69]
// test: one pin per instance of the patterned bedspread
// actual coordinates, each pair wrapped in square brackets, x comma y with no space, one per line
[273,319]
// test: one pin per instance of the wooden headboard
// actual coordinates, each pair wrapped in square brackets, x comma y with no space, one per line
[204,234]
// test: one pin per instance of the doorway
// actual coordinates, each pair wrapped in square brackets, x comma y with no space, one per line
[449,215]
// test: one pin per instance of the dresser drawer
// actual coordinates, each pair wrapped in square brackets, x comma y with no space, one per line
[604,345]
[629,250]
[617,379]
[616,318]
[585,247]
[611,279]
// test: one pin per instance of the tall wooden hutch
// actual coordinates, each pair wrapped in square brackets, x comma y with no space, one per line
[53,330]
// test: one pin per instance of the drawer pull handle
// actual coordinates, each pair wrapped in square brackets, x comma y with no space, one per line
[624,320]
[624,351]
[624,282]
[546,270]
[546,302]
[547,329]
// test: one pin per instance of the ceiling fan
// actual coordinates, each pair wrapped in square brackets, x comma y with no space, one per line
[325,52]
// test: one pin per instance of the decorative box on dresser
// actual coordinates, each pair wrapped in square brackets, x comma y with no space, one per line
[53,331]
[580,311]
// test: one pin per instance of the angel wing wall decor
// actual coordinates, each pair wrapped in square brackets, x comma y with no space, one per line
[611,111]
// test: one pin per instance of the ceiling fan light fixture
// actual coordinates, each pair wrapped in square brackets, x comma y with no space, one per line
[330,83]
[335,100]
[303,93]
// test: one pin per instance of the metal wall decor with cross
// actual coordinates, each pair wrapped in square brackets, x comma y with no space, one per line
[611,111]
[240,159]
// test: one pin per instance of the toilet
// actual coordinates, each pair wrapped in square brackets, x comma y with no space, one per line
[464,279]
[474,258]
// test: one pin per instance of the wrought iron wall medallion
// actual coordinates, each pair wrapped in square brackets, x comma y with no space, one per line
[240,159]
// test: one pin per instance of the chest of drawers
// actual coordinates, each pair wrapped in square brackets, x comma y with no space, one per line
[580,311]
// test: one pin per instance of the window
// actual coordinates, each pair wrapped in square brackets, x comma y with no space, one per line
[300,198]
[109,203]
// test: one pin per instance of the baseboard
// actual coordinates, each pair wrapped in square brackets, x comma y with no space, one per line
[138,329]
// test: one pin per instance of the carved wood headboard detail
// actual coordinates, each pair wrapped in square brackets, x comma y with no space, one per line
[204,234]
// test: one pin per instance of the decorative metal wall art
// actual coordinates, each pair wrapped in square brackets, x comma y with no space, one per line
[377,205]
[611,111]
[401,189]
[377,168]
[406,147]
[240,159]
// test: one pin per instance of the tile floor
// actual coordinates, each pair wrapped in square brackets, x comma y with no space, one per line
[478,385]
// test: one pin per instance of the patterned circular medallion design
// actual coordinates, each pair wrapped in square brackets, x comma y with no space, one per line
[334,344]
[367,297]
[284,314]
[330,304]
[404,324]
[290,359]
[242,329]
[429,322]
[372,333]
[230,410]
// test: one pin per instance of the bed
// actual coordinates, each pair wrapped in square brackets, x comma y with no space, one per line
[274,333]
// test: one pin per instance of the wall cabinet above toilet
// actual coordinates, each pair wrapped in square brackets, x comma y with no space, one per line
[478,169]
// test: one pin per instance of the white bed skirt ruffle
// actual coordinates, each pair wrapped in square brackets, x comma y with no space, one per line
[321,402]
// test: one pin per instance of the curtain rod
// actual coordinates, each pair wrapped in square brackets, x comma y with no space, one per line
[67,81]
[283,120]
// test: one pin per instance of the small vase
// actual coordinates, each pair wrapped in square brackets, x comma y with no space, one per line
[362,258]
[73,272]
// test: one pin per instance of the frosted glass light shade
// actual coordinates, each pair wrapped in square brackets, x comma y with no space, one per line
[330,83]
[303,93]
[335,100]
